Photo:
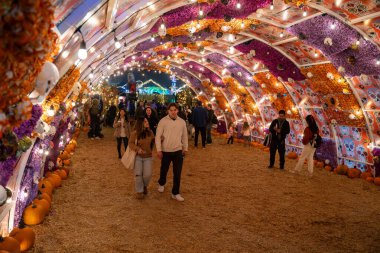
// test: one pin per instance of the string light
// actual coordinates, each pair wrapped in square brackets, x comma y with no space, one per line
[238,6]
[281,35]
[51,111]
[315,55]
[242,24]
[332,26]
[304,13]
[378,62]
[65,54]
[200,12]
[82,52]
[357,42]
[271,7]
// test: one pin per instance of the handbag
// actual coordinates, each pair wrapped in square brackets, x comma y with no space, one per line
[129,157]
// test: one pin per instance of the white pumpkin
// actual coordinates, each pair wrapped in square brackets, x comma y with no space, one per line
[309,74]
[341,69]
[328,41]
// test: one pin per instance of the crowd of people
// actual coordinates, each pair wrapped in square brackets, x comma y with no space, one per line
[169,127]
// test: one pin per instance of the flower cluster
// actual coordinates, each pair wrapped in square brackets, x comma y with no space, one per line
[277,63]
[204,72]
[27,42]
[61,90]
[340,43]
[28,126]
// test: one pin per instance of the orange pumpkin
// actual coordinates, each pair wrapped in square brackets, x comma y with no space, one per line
[65,155]
[292,155]
[25,236]
[364,175]
[9,244]
[55,180]
[319,164]
[377,180]
[44,196]
[67,162]
[353,173]
[370,179]
[44,204]
[46,187]
[62,174]
[74,142]
[33,215]
[67,170]
[328,168]
[341,169]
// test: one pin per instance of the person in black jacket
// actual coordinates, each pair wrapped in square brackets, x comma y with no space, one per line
[200,121]
[279,129]
[152,119]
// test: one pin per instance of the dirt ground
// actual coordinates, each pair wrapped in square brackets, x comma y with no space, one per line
[233,203]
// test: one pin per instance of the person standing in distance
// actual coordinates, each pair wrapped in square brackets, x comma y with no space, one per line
[172,145]
[279,128]
[200,117]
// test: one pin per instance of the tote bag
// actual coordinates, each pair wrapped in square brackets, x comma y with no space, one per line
[129,157]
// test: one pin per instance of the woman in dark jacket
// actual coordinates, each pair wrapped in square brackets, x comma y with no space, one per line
[152,119]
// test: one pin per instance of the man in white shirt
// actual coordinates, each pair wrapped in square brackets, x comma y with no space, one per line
[172,145]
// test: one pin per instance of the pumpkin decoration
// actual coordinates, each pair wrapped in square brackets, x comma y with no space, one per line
[353,173]
[67,170]
[328,168]
[377,181]
[292,155]
[9,244]
[62,174]
[55,180]
[370,179]
[67,162]
[365,175]
[25,236]
[319,164]
[44,204]
[64,155]
[46,186]
[33,215]
[341,169]
[266,149]
[44,196]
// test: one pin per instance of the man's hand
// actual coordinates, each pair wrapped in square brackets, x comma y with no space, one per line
[159,155]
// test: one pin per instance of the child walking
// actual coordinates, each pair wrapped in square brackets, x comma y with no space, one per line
[230,133]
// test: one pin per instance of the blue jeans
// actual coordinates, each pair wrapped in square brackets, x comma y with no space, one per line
[143,172]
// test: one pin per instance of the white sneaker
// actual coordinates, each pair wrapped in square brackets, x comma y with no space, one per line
[161,188]
[97,138]
[178,197]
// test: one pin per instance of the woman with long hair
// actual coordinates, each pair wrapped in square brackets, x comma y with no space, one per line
[152,119]
[309,137]
[142,142]
[122,130]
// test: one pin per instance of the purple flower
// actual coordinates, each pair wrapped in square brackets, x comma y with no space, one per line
[316,30]
[200,69]
[27,127]
[276,62]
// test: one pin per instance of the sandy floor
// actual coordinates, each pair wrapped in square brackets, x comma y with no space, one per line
[233,203]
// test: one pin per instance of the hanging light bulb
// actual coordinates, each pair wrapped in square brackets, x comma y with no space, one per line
[65,54]
[162,30]
[201,12]
[91,75]
[332,26]
[281,35]
[315,55]
[50,112]
[117,44]
[271,7]
[304,13]
[82,53]
[242,24]
[198,25]
[357,43]
[238,5]
[378,62]
[152,39]
[108,66]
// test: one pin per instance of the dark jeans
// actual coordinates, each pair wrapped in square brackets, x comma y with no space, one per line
[280,146]
[208,133]
[177,159]
[203,134]
[230,139]
[118,140]
[94,126]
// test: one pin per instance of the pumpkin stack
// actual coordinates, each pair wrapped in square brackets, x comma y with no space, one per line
[9,244]
[353,173]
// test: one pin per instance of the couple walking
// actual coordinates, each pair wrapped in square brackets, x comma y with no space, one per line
[171,144]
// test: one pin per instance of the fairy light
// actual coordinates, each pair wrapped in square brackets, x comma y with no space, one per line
[304,13]
[377,62]
[242,24]
[333,26]
[281,35]
[65,54]
[315,55]
[357,43]
[200,12]
[46,152]
[271,7]
[238,6]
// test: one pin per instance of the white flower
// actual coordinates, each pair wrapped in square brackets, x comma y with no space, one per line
[309,74]
[328,41]
[268,76]
[364,78]
[341,69]
[226,28]
[330,75]
[239,73]
[327,161]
